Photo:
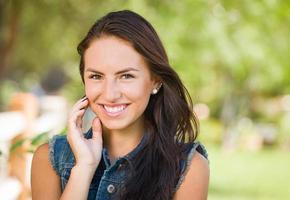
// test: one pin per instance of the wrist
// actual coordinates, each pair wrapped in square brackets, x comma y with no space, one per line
[84,170]
[79,182]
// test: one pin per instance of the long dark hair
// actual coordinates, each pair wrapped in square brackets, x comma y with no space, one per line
[170,121]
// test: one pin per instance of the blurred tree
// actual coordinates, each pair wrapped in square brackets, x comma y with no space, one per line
[9,23]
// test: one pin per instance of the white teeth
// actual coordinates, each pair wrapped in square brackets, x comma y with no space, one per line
[114,109]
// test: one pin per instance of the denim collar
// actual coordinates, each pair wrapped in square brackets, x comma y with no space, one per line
[129,157]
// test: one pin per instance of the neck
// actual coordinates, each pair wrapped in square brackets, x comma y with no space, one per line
[121,142]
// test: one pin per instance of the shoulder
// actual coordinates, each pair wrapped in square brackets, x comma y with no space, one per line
[195,178]
[41,158]
[44,180]
[41,153]
[50,155]
[198,170]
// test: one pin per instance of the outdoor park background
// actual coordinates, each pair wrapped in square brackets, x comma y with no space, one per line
[233,56]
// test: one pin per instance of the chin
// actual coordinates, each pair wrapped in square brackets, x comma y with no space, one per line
[114,125]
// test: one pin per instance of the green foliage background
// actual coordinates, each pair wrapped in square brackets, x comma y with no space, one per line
[218,47]
[231,55]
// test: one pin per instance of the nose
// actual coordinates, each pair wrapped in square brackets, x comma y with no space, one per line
[111,91]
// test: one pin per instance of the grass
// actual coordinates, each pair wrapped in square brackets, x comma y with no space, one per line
[245,175]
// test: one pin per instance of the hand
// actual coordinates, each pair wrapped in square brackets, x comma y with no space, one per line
[87,152]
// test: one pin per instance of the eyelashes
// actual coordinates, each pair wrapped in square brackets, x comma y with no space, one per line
[127,76]
[123,76]
[95,76]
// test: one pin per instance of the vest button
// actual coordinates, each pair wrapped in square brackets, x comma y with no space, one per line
[121,166]
[111,188]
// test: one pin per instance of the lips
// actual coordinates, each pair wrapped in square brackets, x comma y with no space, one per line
[114,110]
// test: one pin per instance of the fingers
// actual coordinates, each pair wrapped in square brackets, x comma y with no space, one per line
[79,118]
[80,104]
[77,113]
[97,129]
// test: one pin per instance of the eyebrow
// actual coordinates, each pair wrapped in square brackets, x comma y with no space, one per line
[118,72]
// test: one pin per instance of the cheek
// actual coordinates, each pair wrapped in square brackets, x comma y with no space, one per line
[138,90]
[91,90]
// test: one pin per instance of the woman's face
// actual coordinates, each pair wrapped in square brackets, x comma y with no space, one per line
[118,83]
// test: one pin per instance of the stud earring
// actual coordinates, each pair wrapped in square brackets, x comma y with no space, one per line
[154,91]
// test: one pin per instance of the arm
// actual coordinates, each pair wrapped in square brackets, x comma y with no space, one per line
[78,184]
[195,184]
[45,183]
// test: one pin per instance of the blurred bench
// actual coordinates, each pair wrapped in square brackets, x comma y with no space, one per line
[27,117]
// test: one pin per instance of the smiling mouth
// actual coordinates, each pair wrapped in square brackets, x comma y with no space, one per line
[114,110]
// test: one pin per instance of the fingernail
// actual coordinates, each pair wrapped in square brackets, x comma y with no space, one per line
[85,98]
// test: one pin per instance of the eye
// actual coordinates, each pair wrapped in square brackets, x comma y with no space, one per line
[95,76]
[127,76]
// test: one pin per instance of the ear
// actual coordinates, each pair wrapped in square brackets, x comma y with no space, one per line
[156,81]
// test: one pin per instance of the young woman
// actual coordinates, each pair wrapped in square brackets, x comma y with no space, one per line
[142,142]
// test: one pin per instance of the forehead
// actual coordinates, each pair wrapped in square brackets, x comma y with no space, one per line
[112,53]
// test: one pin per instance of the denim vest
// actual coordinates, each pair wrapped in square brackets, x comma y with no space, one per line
[108,179]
